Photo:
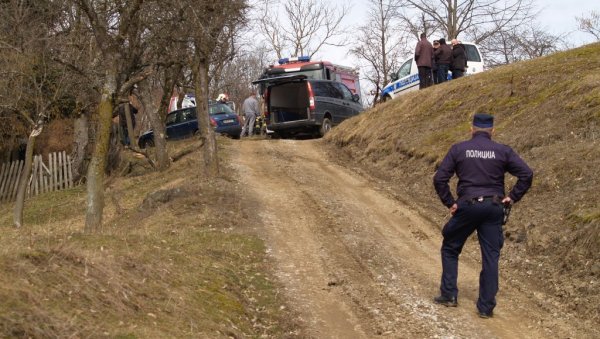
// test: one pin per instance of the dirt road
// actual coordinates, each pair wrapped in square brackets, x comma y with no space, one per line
[357,263]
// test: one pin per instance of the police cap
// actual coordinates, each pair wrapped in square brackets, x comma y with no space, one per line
[483,120]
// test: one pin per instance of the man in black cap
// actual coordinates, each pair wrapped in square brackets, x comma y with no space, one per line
[480,165]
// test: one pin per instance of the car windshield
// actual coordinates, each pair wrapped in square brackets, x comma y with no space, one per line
[219,109]
[405,69]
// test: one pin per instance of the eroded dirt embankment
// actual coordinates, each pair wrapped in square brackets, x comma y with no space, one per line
[357,262]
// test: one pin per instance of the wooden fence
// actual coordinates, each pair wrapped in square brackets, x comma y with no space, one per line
[56,176]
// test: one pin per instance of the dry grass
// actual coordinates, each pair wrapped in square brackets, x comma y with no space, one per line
[548,110]
[184,268]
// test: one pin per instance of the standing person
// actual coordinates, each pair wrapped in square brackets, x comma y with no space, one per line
[423,59]
[459,59]
[443,57]
[480,165]
[250,110]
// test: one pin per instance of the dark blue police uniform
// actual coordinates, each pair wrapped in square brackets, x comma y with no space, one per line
[480,165]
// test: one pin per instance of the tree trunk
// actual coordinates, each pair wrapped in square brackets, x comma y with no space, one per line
[24,179]
[157,121]
[211,161]
[95,175]
[80,149]
[160,141]
[132,138]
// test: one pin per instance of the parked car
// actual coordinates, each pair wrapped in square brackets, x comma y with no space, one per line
[406,79]
[183,123]
[295,104]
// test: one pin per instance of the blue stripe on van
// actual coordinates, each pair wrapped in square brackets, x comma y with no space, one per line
[399,85]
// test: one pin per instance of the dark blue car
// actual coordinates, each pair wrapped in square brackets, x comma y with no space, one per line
[183,123]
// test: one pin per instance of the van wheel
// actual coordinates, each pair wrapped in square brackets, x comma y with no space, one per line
[325,127]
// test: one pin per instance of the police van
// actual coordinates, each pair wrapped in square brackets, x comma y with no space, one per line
[406,79]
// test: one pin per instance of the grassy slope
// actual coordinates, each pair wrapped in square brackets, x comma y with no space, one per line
[548,110]
[184,268]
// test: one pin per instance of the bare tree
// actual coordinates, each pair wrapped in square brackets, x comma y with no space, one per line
[302,27]
[237,75]
[33,85]
[523,42]
[415,25]
[480,19]
[154,95]
[166,44]
[111,23]
[379,45]
[210,23]
[536,42]
[222,57]
[590,24]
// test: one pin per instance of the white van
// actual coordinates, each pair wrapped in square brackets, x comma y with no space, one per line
[407,77]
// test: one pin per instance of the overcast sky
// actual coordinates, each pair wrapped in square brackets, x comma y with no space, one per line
[556,16]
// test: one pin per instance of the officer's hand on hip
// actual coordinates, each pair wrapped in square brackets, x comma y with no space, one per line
[507,201]
[453,208]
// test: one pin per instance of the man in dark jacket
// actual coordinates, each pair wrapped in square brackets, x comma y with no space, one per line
[459,59]
[480,165]
[443,60]
[423,57]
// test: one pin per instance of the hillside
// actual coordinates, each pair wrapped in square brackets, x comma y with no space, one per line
[336,237]
[548,110]
[177,258]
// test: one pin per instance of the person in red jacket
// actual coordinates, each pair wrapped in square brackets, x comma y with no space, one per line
[423,58]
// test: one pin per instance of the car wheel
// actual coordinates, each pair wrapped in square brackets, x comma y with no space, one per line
[149,143]
[325,127]
[386,98]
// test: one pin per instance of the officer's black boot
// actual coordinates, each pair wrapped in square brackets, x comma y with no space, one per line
[446,301]
[485,315]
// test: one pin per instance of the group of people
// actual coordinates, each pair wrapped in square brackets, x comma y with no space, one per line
[435,60]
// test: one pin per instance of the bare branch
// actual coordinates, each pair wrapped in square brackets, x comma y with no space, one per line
[302,27]
[590,24]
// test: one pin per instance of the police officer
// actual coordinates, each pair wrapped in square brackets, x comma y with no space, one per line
[480,165]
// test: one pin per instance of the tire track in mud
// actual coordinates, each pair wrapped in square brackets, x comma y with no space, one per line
[357,263]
